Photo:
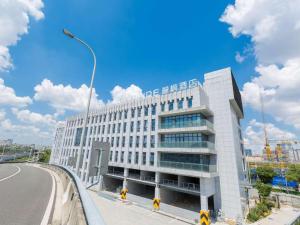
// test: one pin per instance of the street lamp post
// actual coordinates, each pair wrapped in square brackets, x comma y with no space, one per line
[69,34]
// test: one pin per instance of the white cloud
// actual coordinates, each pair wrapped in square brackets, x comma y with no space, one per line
[2,115]
[120,94]
[63,97]
[34,118]
[254,137]
[280,91]
[14,22]
[8,97]
[273,26]
[239,58]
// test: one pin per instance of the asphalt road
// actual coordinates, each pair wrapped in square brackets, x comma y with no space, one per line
[24,195]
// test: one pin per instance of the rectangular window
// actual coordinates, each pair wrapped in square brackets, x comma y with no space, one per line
[137,141]
[118,141]
[122,156]
[171,105]
[144,158]
[99,128]
[131,126]
[152,141]
[151,158]
[152,124]
[145,125]
[115,116]
[110,155]
[153,109]
[125,114]
[139,111]
[124,127]
[108,129]
[119,128]
[120,115]
[190,102]
[112,141]
[114,128]
[180,103]
[146,110]
[144,141]
[138,126]
[136,160]
[116,156]
[129,157]
[104,117]
[132,113]
[109,117]
[103,129]
[123,141]
[130,141]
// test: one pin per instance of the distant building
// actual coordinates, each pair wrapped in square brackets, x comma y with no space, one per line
[6,142]
[248,152]
[183,145]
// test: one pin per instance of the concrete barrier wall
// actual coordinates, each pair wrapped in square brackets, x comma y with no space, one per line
[287,199]
[71,209]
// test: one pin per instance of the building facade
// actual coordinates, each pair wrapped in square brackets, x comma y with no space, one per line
[183,146]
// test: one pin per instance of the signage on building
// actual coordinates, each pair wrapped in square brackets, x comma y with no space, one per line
[174,88]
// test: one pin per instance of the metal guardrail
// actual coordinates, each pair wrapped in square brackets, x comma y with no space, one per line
[183,124]
[182,185]
[91,211]
[188,166]
[187,144]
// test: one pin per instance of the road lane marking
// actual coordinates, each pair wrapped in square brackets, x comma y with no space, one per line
[10,176]
[50,203]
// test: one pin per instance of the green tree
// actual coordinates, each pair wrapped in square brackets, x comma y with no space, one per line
[45,156]
[264,190]
[265,174]
[293,173]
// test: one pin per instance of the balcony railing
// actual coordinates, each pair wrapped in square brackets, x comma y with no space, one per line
[196,144]
[188,166]
[181,185]
[182,124]
[117,173]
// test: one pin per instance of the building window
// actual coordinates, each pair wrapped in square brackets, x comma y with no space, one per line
[123,141]
[151,158]
[120,115]
[153,109]
[116,156]
[162,107]
[136,159]
[103,129]
[144,158]
[114,128]
[144,141]
[125,114]
[152,124]
[112,141]
[171,105]
[122,156]
[139,111]
[145,125]
[190,102]
[104,117]
[109,118]
[152,141]
[118,141]
[110,155]
[119,128]
[146,110]
[115,116]
[131,126]
[138,126]
[124,127]
[99,128]
[137,141]
[180,103]
[108,129]
[132,113]
[129,157]
[130,141]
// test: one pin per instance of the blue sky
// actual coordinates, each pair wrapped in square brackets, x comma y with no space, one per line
[146,43]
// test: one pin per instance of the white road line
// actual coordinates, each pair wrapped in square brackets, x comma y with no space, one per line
[10,176]
[50,203]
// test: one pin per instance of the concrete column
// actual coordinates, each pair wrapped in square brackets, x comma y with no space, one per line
[157,192]
[157,177]
[126,171]
[204,202]
[100,183]
[125,185]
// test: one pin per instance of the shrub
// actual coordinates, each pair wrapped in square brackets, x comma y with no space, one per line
[253,215]
[265,174]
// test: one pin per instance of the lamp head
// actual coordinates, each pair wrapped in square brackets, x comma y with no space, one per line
[68,33]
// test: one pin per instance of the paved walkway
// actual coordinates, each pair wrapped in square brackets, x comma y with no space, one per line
[280,217]
[115,212]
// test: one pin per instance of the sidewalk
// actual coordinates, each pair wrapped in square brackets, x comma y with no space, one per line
[280,217]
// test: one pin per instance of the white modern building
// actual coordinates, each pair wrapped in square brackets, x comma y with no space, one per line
[6,142]
[182,144]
